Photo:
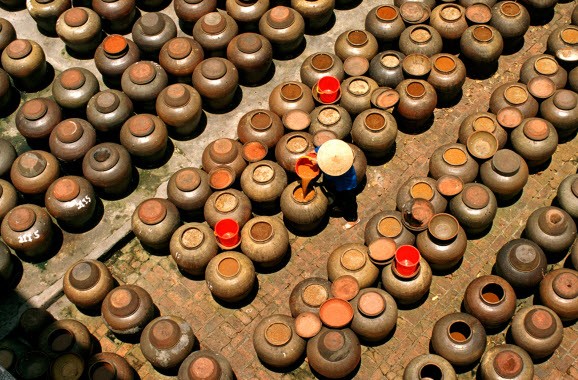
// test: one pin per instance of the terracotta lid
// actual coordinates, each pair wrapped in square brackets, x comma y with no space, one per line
[263,173]
[541,87]
[75,17]
[382,250]
[152,23]
[357,37]
[229,267]
[65,189]
[34,109]
[291,91]
[476,197]
[384,98]
[249,43]
[536,129]
[413,12]
[297,144]
[478,13]
[141,125]
[72,79]
[314,295]
[546,65]
[187,180]
[213,68]
[482,144]
[353,259]
[176,95]
[67,366]
[69,131]
[21,218]
[323,136]
[179,48]
[449,185]
[165,334]
[390,61]
[566,285]
[420,35]
[355,66]
[565,100]
[386,13]
[371,304]
[84,275]
[221,177]
[506,162]
[389,227]
[115,45]
[7,357]
[213,23]
[123,301]
[415,90]
[18,49]
[422,190]
[142,72]
[333,341]
[204,368]
[358,87]
[31,164]
[61,340]
[508,364]
[307,325]
[345,287]
[450,12]
[524,257]
[455,156]
[570,35]
[106,102]
[510,117]
[192,238]
[416,65]
[483,34]
[443,226]
[296,120]
[254,151]
[516,94]
[226,202]
[322,62]
[152,211]
[280,17]
[540,323]
[336,313]
[484,123]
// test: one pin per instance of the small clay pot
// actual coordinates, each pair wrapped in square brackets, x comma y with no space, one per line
[374,131]
[151,31]
[423,188]
[568,195]
[429,366]
[490,299]
[190,11]
[33,172]
[71,201]
[205,364]
[453,159]
[154,221]
[114,55]
[224,152]
[552,228]
[108,110]
[25,62]
[356,94]
[303,212]
[45,13]
[216,79]
[505,174]
[289,96]
[74,87]
[356,43]
[331,118]
[475,207]
[87,282]
[214,31]
[117,15]
[166,341]
[127,309]
[71,139]
[260,125]
[384,23]
[319,65]
[107,362]
[417,101]
[276,342]
[522,263]
[230,276]
[179,57]
[142,82]
[514,95]
[352,259]
[37,118]
[447,76]
[538,330]
[334,354]
[420,39]
[263,182]
[284,27]
[506,361]
[388,224]
[192,246]
[511,19]
[560,109]
[407,291]
[386,69]
[8,198]
[227,204]
[252,55]
[485,122]
[460,338]
[80,29]
[482,44]
[543,65]
[535,140]
[562,40]
[247,13]
[108,167]
[189,189]
[7,156]
[374,314]
[145,137]
[180,107]
[291,147]
[449,20]
[315,13]
[66,335]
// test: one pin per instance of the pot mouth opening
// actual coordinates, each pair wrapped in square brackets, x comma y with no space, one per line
[263,173]
[516,94]
[387,13]
[422,190]
[431,371]
[299,197]
[229,267]
[483,33]
[278,334]
[102,370]
[389,227]
[61,340]
[375,121]
[415,90]
[510,9]
[445,64]
[570,35]
[460,332]
[390,61]
[546,66]
[420,35]
[322,62]
[353,260]
[226,202]
[329,116]
[357,37]
[492,294]
[455,156]
[508,364]
[358,87]
[192,238]
[261,231]
[484,123]
[314,295]
[451,12]
[291,92]
[102,154]
[297,144]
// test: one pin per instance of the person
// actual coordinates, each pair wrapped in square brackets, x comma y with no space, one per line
[335,160]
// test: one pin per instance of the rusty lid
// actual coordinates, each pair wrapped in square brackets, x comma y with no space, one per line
[450,12]
[570,35]
[34,109]
[106,102]
[540,323]
[516,94]
[21,218]
[510,117]
[546,65]
[249,43]
[291,91]
[482,144]
[357,37]
[179,48]
[278,334]
[455,156]
[221,177]
[420,35]
[280,17]
[565,285]
[84,275]
[213,23]
[565,100]
[386,13]
[413,12]
[307,325]
[226,202]
[329,116]
[152,23]
[371,304]
[141,125]
[61,339]
[314,295]
[187,180]
[31,164]
[417,214]
[76,17]
[263,173]
[355,65]
[65,189]
[389,226]
[192,238]
[204,368]
[152,211]
[69,131]
[72,79]
[19,49]
[508,364]
[261,121]
[345,287]
[483,33]
[322,62]
[115,45]
[506,162]
[296,120]
[476,197]
[336,313]
[229,267]
[142,72]
[333,340]
[176,95]
[222,146]
[353,259]
[164,334]
[67,366]
[541,87]
[510,9]
[449,185]
[536,129]
[261,231]
[524,257]
[213,68]
[123,301]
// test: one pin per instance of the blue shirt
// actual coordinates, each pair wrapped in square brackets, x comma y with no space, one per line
[346,181]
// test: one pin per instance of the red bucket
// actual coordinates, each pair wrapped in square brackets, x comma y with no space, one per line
[328,89]
[407,260]
[227,232]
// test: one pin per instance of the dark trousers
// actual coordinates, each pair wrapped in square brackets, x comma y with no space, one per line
[346,202]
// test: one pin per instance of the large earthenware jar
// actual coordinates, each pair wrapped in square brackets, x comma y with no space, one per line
[127,309]
[543,65]
[423,188]
[276,342]
[417,101]
[151,31]
[491,299]
[87,282]
[514,95]
[7,156]
[117,15]
[190,11]
[71,139]
[180,107]
[154,221]
[80,29]
[66,335]
[230,276]
[385,23]
[284,27]
[114,56]
[506,361]
[561,109]
[252,55]
[511,19]
[447,76]
[319,65]
[105,363]
[247,12]
[505,174]
[352,259]
[8,198]
[444,243]
[142,82]
[189,189]
[356,43]
[214,31]
[73,88]
[482,44]
[33,171]
[228,204]
[179,57]
[331,118]
[449,20]
[334,353]
[538,330]
[385,68]
[192,246]
[316,13]
[374,131]
[265,240]
[420,39]
[25,62]
[453,159]
[460,338]
[535,140]
[290,96]
[304,212]
[263,182]
[568,195]
[166,341]
[475,207]
[108,110]
[71,201]
[260,125]
[145,137]
[37,118]
[559,292]
[308,295]
[108,167]
[388,224]
[429,366]
[205,364]
[407,291]
[224,152]
[561,40]
[482,121]
[291,147]
[216,79]
[522,263]
[374,314]
[552,229]
[46,12]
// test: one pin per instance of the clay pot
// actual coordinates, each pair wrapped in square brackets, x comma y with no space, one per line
[25,62]
[560,110]
[32,321]
[37,117]
[511,19]
[284,28]
[87,282]
[386,68]
[108,110]
[291,147]
[151,31]
[247,12]
[522,263]
[514,95]
[482,44]
[417,101]
[356,94]
[475,207]
[352,259]
[102,364]
[71,139]
[420,39]
[145,137]
[374,314]
[543,65]
[66,335]
[230,276]
[166,341]
[224,152]
[319,65]
[552,229]
[447,76]
[108,167]
[33,171]
[444,243]
[388,224]
[506,361]
[9,268]
[331,118]
[356,43]
[482,121]
[154,221]
[142,82]
[214,31]
[429,366]
[384,23]
[538,330]
[192,246]
[414,12]
[407,291]
[114,55]
[276,342]
[265,240]
[216,79]
[7,33]
[460,338]
[227,204]
[308,296]
[561,41]
[568,195]
[449,20]
[180,107]
[558,292]
[205,364]
[190,11]
[260,125]
[8,198]
[179,57]
[80,29]
[189,189]
[289,96]
[117,15]
[316,13]
[6,89]
[334,354]
[490,299]
[45,13]
[453,159]
[424,188]
[127,309]
[535,140]
[374,131]
[7,156]
[252,55]
[303,213]
[263,182]
[71,201]
[505,174]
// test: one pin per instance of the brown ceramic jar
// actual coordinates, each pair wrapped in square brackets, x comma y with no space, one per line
[535,140]
[71,139]
[117,15]
[316,13]
[189,189]
[28,230]
[37,118]
[506,361]
[449,20]
[516,95]
[74,87]
[25,62]
[260,125]
[145,137]
[252,55]
[192,246]
[538,330]
[429,366]
[407,291]
[71,201]
[224,152]
[108,167]
[66,335]
[265,240]
[284,27]
[7,156]
[447,76]
[247,13]
[127,309]
[80,29]
[522,263]
[205,364]
[444,243]
[505,174]
[417,101]
[102,364]
[151,31]
[289,96]
[385,68]
[179,57]
[356,94]
[460,338]
[7,33]
[180,107]
[421,187]
[482,121]
[46,12]
[453,159]
[384,23]
[352,259]
[420,39]
[552,228]
[113,56]
[291,147]
[374,314]
[543,65]
[216,79]
[356,43]
[490,299]
[108,110]
[561,109]
[388,224]
[227,204]
[33,171]
[334,354]
[558,291]
[511,19]
[87,282]
[374,131]
[166,341]
[303,213]
[190,11]
[276,342]
[475,207]
[319,65]
[567,195]
[230,276]
[482,44]
[214,31]
[263,182]
[562,40]
[154,221]
[142,82]
[332,118]
[8,198]
[308,295]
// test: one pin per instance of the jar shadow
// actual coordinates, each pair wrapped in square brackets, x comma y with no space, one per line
[277,267]
[319,30]
[196,133]
[13,103]
[242,303]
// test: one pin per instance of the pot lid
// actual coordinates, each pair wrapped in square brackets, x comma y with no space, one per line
[449,185]
[516,94]
[65,189]
[353,259]
[536,129]
[142,72]
[249,43]
[476,197]
[31,164]
[179,48]
[164,333]
[278,334]
[84,275]
[541,87]
[566,285]
[213,23]
[123,301]
[176,95]
[382,250]
[280,17]
[508,364]
[333,341]
[371,304]
[355,65]
[19,49]
[141,125]
[314,295]
[345,287]
[213,68]
[510,117]
[152,23]
[307,325]
[204,368]
[524,257]
[540,323]
[389,226]
[152,211]
[75,17]
[69,131]
[106,102]
[336,313]
[34,109]
[187,180]
[565,100]
[72,79]
[506,162]
[296,120]
[385,98]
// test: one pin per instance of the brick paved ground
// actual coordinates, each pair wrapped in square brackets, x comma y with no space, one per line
[229,331]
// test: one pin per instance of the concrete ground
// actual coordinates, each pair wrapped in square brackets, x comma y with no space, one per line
[229,331]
